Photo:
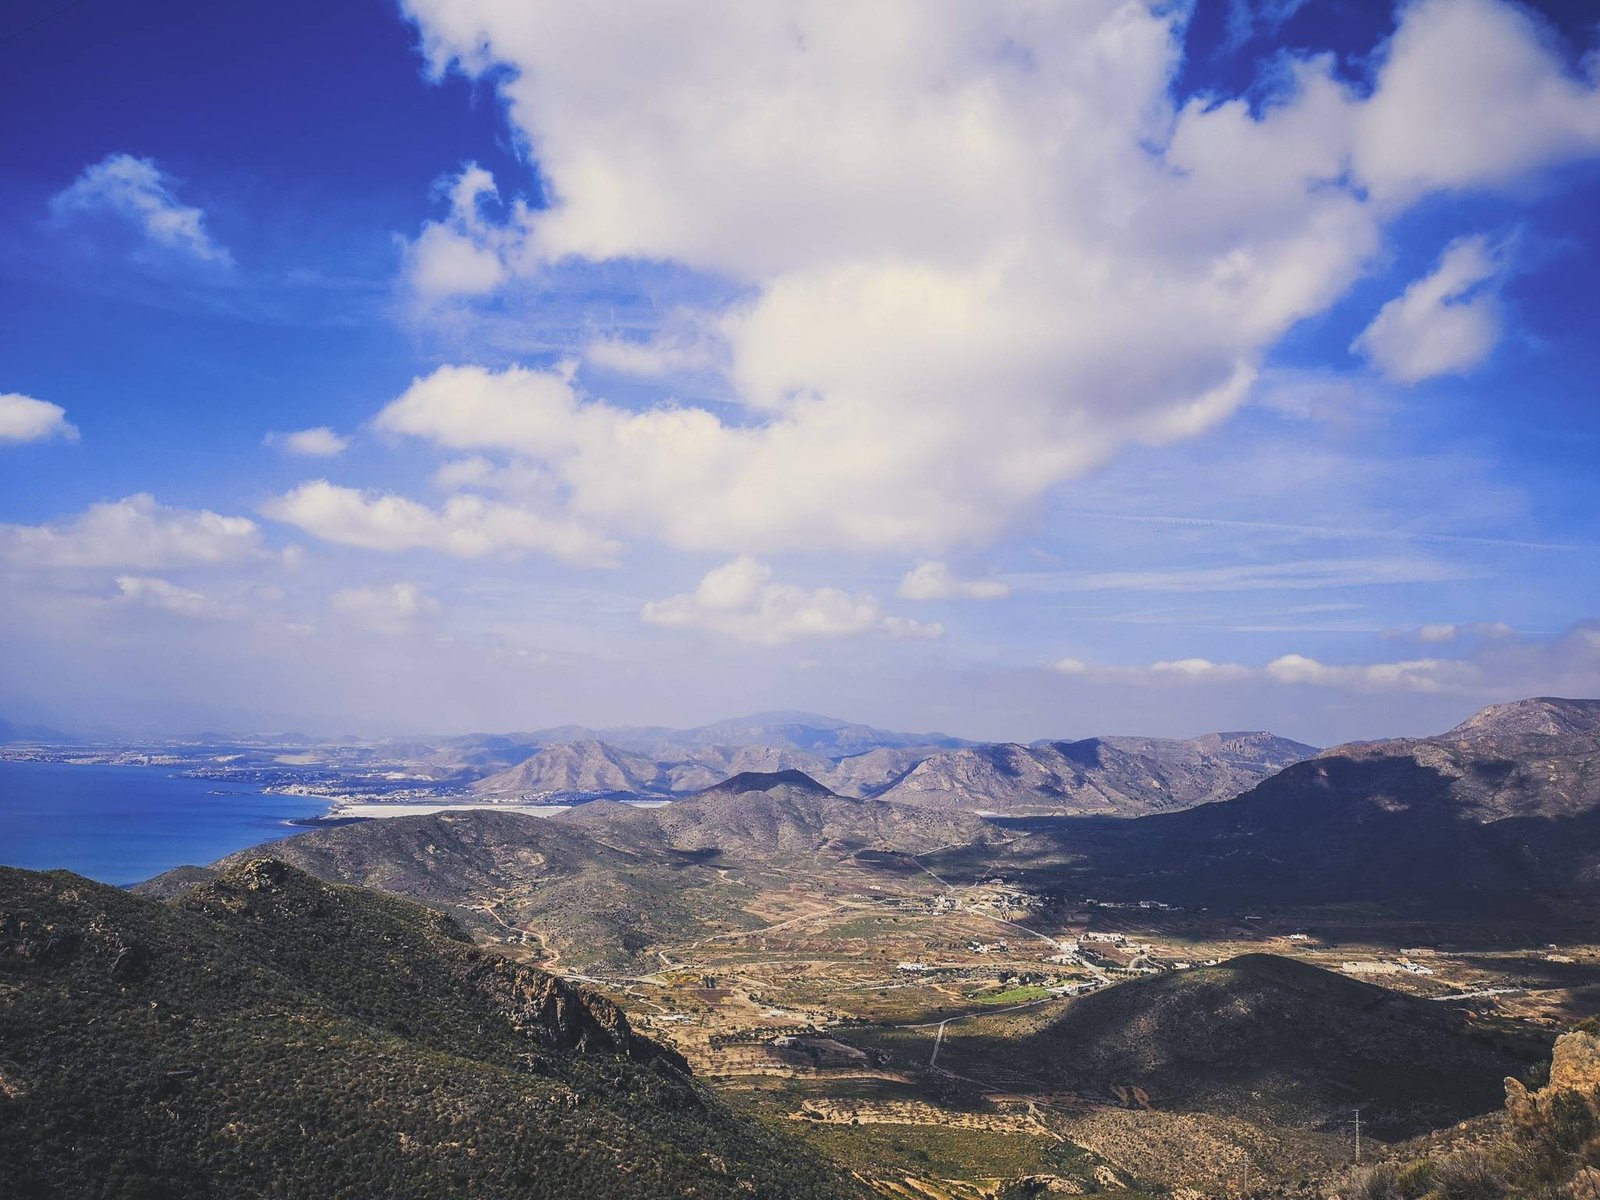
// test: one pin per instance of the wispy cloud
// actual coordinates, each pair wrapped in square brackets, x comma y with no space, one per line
[936,581]
[318,442]
[1445,323]
[1289,576]
[142,195]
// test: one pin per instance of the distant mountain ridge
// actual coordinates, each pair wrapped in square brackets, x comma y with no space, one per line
[1120,776]
[826,737]
[585,766]
[1110,776]
[1500,813]
[11,733]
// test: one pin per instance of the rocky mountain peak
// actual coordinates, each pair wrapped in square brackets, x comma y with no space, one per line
[1550,716]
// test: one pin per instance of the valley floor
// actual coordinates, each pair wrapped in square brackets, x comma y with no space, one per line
[886,1015]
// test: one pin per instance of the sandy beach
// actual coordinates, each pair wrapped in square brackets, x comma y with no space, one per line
[352,811]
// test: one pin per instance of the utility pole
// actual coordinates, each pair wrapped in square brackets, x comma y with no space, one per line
[1358,1137]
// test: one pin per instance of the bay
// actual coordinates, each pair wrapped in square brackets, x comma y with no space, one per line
[121,825]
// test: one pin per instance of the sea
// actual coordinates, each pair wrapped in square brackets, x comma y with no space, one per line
[121,825]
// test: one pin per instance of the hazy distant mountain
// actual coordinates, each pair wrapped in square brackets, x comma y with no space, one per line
[1110,776]
[875,771]
[853,759]
[33,734]
[266,1033]
[585,766]
[1502,812]
[1280,1042]
[826,737]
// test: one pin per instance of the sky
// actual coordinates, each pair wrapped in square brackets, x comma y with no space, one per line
[1014,369]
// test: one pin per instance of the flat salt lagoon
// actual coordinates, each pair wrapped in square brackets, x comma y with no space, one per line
[121,825]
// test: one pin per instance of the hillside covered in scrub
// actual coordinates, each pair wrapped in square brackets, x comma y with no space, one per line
[265,1034]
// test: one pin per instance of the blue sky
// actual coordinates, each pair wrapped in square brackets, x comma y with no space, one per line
[1016,370]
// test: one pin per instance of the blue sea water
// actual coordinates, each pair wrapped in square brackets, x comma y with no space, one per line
[121,825]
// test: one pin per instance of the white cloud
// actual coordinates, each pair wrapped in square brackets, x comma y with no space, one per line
[1447,632]
[671,354]
[976,250]
[1182,670]
[1473,94]
[464,254]
[466,526]
[24,419]
[320,442]
[395,609]
[134,532]
[1443,324]
[936,581]
[1415,675]
[140,193]
[162,595]
[740,600]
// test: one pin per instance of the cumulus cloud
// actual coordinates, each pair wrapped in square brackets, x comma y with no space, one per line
[975,250]
[397,608]
[935,580]
[138,192]
[740,600]
[466,526]
[1473,93]
[320,442]
[134,532]
[24,419]
[1445,323]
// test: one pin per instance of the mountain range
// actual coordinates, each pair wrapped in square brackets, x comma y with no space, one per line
[1121,776]
[1500,815]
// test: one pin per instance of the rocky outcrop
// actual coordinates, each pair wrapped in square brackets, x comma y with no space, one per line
[558,1014]
[1574,1071]
[1541,716]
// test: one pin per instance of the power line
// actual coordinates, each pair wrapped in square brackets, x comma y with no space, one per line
[49,16]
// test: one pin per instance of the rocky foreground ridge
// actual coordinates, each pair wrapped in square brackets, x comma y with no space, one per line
[266,1034]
